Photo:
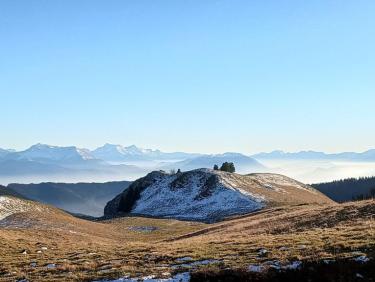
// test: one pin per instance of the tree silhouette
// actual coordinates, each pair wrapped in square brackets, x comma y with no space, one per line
[228,167]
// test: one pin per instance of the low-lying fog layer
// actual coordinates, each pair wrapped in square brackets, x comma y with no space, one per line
[71,178]
[306,171]
[316,171]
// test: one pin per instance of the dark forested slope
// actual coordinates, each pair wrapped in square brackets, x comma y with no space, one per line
[348,189]
[81,198]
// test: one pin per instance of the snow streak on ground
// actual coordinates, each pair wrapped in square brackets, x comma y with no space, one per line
[181,277]
[10,205]
[271,180]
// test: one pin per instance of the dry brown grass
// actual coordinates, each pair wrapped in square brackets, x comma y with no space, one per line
[85,250]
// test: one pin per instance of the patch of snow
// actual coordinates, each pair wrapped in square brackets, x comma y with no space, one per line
[275,264]
[276,180]
[181,277]
[145,229]
[195,263]
[148,278]
[262,252]
[11,205]
[184,259]
[361,259]
[256,268]
[358,275]
[51,266]
[294,265]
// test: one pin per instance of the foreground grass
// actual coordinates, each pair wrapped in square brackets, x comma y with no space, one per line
[57,247]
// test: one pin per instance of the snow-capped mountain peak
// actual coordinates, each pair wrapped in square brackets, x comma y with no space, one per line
[54,153]
[111,152]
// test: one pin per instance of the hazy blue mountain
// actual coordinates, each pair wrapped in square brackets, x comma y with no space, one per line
[367,156]
[243,164]
[42,163]
[119,153]
[82,198]
[47,153]
[26,171]
[45,163]
[313,155]
[284,155]
[18,167]
[4,152]
[6,191]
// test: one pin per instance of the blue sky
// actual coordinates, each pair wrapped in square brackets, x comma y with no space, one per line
[202,76]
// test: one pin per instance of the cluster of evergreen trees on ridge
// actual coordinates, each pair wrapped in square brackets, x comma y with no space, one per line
[228,167]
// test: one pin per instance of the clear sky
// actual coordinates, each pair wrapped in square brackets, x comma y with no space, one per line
[203,76]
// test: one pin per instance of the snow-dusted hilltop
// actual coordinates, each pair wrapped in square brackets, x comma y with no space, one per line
[208,195]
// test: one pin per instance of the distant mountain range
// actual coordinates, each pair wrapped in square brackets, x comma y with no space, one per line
[313,155]
[110,152]
[46,163]
[118,153]
[41,163]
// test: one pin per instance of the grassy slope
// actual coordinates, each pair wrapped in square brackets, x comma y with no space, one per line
[88,250]
[267,184]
